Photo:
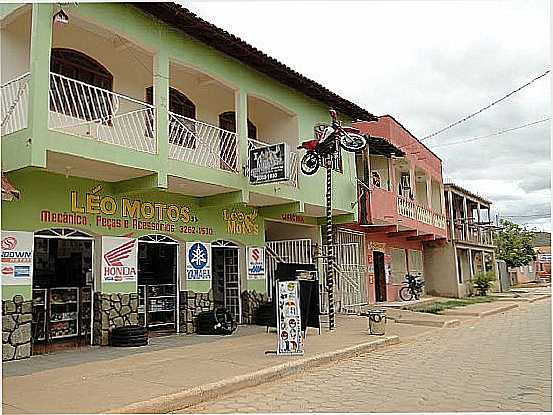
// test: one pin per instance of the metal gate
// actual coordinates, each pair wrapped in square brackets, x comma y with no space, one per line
[350,272]
[299,251]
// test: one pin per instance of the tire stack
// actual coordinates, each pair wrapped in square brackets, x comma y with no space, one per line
[129,336]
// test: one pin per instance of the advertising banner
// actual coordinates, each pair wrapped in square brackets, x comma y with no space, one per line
[119,259]
[17,258]
[289,339]
[256,262]
[198,261]
[269,164]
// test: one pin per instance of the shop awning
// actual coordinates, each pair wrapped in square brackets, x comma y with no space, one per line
[9,192]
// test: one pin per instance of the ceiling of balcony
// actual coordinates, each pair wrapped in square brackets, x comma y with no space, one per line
[194,188]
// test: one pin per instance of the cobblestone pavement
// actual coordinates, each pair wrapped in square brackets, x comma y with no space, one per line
[499,363]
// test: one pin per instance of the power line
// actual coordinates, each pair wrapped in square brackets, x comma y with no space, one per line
[543,215]
[500,132]
[485,108]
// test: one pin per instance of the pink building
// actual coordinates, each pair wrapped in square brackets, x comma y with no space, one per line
[401,205]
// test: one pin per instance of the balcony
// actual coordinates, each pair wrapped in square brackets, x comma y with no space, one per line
[386,208]
[472,233]
[14,100]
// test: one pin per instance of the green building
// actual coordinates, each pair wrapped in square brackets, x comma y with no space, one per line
[127,130]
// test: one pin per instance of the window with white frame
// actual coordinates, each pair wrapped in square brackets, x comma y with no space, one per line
[415,262]
[399,265]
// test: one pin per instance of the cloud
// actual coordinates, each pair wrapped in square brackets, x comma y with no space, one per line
[428,64]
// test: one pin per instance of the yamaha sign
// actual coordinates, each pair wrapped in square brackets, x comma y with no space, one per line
[269,164]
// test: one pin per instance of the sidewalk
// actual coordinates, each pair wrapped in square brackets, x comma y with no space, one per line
[178,371]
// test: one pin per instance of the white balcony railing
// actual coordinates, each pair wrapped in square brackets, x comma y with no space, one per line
[424,215]
[406,207]
[439,220]
[14,104]
[90,112]
[202,144]
[293,161]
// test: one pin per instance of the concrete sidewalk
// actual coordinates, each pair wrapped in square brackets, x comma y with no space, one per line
[180,371]
[69,382]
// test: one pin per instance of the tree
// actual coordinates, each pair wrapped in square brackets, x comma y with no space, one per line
[514,244]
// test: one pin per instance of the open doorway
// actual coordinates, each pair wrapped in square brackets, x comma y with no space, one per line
[226,277]
[63,290]
[157,284]
[379,277]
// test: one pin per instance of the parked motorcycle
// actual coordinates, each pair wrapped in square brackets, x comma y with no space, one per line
[325,144]
[413,288]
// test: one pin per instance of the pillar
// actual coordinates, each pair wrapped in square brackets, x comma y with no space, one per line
[161,103]
[450,212]
[429,191]
[39,83]
[465,219]
[241,111]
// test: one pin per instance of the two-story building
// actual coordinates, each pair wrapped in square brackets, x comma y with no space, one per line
[401,207]
[126,129]
[470,248]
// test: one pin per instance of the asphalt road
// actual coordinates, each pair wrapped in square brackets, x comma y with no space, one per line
[498,363]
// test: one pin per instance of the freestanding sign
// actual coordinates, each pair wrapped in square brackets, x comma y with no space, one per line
[17,257]
[119,259]
[198,261]
[269,164]
[256,262]
[289,339]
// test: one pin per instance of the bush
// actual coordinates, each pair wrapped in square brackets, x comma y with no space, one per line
[483,282]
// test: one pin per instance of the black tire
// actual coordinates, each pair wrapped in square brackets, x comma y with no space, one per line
[309,163]
[129,331]
[353,142]
[406,294]
[116,339]
[132,344]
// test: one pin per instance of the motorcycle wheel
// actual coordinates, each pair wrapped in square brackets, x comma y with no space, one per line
[406,294]
[353,142]
[310,163]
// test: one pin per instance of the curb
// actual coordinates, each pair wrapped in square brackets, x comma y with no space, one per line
[430,323]
[193,396]
[460,312]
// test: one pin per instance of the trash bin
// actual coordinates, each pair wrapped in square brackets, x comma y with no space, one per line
[376,321]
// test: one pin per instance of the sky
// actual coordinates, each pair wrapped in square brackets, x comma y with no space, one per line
[428,63]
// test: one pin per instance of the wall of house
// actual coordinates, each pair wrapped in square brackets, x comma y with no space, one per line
[15,46]
[274,125]
[439,271]
[380,165]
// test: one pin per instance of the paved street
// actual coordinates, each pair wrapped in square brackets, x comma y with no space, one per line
[499,363]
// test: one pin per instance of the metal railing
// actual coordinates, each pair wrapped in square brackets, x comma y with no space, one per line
[91,112]
[14,104]
[202,144]
[293,161]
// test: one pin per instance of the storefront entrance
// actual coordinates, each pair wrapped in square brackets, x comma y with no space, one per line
[63,290]
[226,277]
[158,283]
[379,277]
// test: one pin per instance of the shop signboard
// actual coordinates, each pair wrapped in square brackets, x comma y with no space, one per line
[269,164]
[119,259]
[256,262]
[288,318]
[198,260]
[17,258]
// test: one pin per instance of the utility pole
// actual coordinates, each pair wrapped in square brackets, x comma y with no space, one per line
[329,242]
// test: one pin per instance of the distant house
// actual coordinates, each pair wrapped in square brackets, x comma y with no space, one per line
[542,246]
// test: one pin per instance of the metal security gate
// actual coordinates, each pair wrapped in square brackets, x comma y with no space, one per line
[227,276]
[299,251]
[351,290]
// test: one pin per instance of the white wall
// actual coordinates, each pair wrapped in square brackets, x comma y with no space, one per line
[380,165]
[273,124]
[15,46]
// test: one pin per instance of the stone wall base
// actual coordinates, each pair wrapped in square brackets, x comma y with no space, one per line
[113,310]
[17,315]
[192,304]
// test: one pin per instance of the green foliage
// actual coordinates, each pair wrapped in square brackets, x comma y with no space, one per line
[437,307]
[514,244]
[482,282]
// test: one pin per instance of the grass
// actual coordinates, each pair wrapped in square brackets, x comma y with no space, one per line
[436,308]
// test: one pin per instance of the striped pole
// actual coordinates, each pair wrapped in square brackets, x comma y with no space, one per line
[330,248]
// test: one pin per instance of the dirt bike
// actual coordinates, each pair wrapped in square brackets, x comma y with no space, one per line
[413,288]
[325,143]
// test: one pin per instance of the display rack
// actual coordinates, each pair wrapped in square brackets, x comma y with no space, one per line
[64,312]
[157,305]
[85,310]
[38,323]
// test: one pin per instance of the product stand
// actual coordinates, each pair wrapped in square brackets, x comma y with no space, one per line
[157,305]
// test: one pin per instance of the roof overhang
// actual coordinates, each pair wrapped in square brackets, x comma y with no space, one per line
[383,147]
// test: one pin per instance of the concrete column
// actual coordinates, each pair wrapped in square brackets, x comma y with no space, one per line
[241,111]
[471,265]
[161,102]
[39,84]
[478,217]
[429,191]
[465,219]
[450,213]
[442,199]
[391,175]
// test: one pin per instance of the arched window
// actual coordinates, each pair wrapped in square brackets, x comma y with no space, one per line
[227,121]
[179,104]
[76,100]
